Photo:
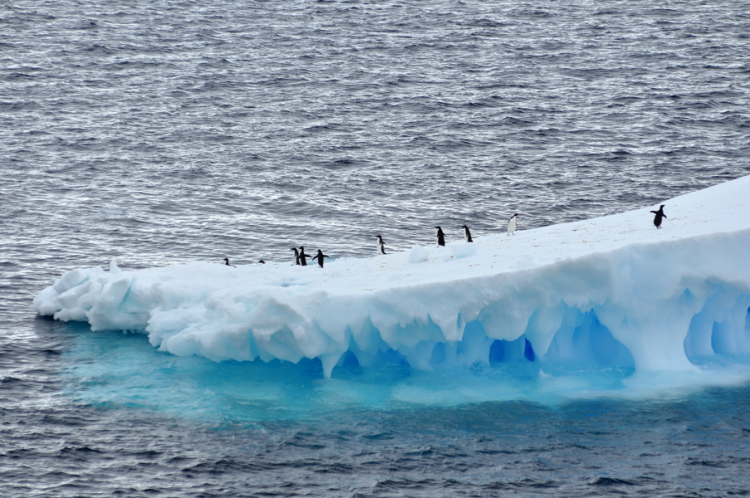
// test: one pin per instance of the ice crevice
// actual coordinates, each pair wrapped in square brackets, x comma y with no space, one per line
[610,291]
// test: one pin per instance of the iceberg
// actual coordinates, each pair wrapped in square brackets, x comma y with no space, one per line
[611,291]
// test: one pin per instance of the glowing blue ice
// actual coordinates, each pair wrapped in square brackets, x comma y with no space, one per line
[611,292]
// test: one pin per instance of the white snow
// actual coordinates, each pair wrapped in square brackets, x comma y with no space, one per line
[609,291]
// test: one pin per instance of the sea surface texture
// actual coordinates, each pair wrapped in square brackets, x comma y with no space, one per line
[159,133]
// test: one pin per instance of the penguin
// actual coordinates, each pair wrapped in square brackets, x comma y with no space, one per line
[302,256]
[467,233]
[226,262]
[296,256]
[658,216]
[440,236]
[320,257]
[381,245]
[512,225]
[261,262]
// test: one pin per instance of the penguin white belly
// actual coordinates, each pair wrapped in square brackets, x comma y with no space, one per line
[512,226]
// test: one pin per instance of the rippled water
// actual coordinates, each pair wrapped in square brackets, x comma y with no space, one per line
[163,132]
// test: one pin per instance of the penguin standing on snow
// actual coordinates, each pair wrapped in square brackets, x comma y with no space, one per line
[320,257]
[658,216]
[296,256]
[440,236]
[302,256]
[381,245]
[512,225]
[467,233]
[226,262]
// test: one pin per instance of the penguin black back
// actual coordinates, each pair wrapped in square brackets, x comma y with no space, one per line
[296,256]
[440,236]
[512,224]
[381,245]
[467,233]
[302,256]
[226,262]
[658,215]
[320,257]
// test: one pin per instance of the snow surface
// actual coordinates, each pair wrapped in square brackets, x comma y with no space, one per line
[611,291]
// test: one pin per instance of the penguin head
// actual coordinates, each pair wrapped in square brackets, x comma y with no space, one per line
[293,249]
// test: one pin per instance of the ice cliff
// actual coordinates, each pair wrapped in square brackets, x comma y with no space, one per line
[610,291]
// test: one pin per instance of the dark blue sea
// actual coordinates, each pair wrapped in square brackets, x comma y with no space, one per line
[164,132]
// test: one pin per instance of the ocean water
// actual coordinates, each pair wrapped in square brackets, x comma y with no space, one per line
[156,133]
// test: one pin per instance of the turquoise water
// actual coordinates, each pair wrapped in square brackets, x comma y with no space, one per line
[505,428]
[115,369]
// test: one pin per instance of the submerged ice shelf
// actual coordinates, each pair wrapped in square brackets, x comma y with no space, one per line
[610,291]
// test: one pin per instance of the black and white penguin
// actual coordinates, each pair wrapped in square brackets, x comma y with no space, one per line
[320,257]
[440,236]
[226,262]
[658,216]
[302,256]
[381,245]
[467,233]
[296,256]
[512,225]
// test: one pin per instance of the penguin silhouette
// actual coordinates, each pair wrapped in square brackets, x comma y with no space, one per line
[302,256]
[512,225]
[381,245]
[320,257]
[440,236]
[296,255]
[658,216]
[467,233]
